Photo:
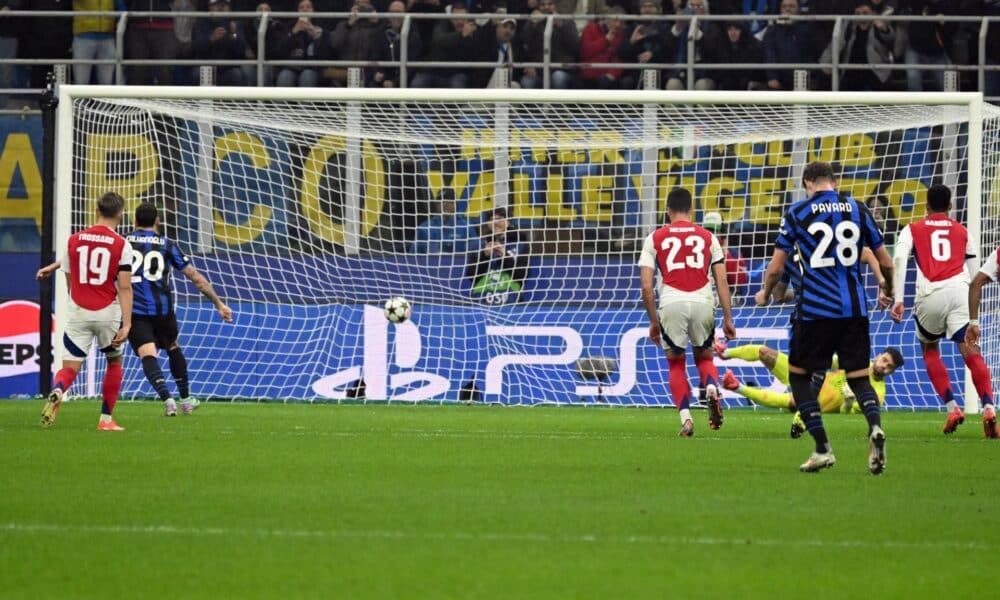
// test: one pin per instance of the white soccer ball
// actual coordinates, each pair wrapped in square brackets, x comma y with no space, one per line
[397,309]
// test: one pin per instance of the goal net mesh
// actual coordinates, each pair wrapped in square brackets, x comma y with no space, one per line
[308,216]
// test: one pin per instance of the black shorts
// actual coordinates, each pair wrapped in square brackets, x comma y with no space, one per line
[161,331]
[814,343]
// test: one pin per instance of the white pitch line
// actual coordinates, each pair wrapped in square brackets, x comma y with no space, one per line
[523,537]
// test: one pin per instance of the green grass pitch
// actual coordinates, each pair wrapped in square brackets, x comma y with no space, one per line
[268,501]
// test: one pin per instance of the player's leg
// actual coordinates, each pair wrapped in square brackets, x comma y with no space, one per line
[811,350]
[680,391]
[830,394]
[982,382]
[854,352]
[702,334]
[675,339]
[957,323]
[112,384]
[77,339]
[179,371]
[761,396]
[110,388]
[178,362]
[930,317]
[142,338]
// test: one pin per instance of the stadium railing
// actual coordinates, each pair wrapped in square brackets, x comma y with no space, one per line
[981,68]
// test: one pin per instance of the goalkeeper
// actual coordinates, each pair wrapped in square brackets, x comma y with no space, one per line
[834,395]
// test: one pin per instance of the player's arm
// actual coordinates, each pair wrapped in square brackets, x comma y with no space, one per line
[725,299]
[772,275]
[975,296]
[125,300]
[205,287]
[868,257]
[886,283]
[647,277]
[904,246]
[46,271]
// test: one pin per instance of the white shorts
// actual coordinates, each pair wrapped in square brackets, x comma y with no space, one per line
[686,322]
[84,326]
[941,313]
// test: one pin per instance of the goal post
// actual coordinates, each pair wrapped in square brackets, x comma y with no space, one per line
[308,208]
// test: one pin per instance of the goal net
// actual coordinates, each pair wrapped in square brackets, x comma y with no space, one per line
[510,221]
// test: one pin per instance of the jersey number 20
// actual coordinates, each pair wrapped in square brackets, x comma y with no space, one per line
[151,264]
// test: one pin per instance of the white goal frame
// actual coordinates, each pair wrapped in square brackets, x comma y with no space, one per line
[67,93]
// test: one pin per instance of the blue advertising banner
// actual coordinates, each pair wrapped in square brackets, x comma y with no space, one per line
[514,354]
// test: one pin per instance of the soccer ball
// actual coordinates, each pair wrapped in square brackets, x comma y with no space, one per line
[397,309]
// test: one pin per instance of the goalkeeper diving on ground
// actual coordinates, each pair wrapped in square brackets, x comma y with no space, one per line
[834,395]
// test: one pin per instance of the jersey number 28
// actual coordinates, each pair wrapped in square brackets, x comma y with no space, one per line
[846,234]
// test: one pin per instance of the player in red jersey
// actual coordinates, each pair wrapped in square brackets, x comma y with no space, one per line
[990,271]
[685,254]
[98,267]
[945,257]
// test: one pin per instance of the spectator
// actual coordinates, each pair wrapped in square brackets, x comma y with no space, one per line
[707,37]
[45,38]
[992,9]
[499,47]
[786,41]
[453,39]
[737,274]
[9,29]
[94,39]
[749,8]
[447,232]
[866,42]
[300,44]
[929,41]
[738,46]
[645,42]
[275,36]
[359,39]
[426,27]
[183,30]
[390,46]
[565,48]
[498,267]
[221,38]
[599,43]
[822,31]
[151,38]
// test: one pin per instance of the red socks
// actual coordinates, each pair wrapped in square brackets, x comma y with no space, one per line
[938,375]
[64,379]
[679,388]
[112,385]
[980,377]
[706,369]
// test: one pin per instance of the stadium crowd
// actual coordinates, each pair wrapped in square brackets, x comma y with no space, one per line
[507,42]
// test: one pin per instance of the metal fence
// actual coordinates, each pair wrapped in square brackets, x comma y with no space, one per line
[979,26]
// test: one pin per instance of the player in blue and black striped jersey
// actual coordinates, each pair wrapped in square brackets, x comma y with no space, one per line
[154,324]
[829,232]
